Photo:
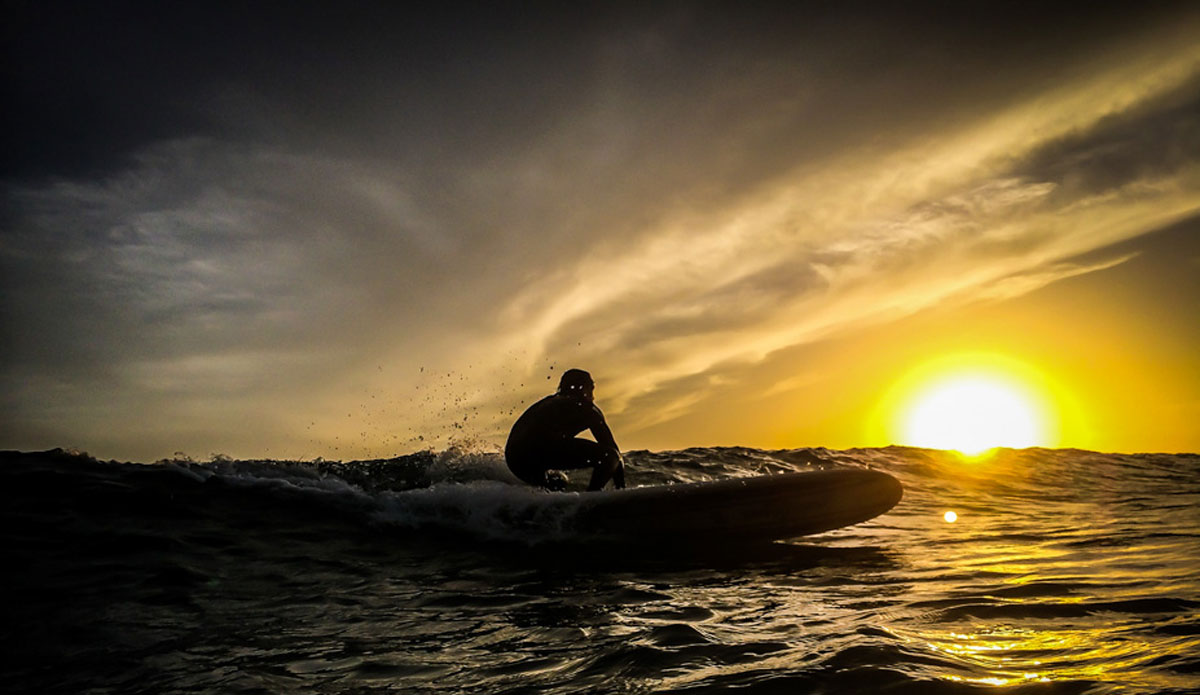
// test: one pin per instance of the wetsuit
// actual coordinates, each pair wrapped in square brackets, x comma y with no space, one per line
[544,438]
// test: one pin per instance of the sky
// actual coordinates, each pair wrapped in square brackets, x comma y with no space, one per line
[360,229]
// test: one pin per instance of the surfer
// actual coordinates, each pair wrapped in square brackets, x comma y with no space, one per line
[544,438]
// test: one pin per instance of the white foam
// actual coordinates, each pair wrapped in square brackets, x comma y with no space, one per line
[488,509]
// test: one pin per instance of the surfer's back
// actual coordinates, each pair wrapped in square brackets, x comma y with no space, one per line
[554,417]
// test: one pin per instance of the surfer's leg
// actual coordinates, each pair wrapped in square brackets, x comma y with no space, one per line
[584,453]
[536,478]
[527,468]
[610,464]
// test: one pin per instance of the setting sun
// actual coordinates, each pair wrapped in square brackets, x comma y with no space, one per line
[970,404]
[971,415]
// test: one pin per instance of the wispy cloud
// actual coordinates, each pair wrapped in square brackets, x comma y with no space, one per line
[978,214]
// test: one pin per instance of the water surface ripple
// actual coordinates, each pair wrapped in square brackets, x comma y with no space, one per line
[1066,572]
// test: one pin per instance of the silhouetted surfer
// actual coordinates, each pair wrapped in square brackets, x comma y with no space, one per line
[544,438]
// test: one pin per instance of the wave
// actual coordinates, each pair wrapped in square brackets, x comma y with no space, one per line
[473,492]
[1056,611]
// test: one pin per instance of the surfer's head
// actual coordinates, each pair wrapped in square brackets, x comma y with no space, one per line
[577,383]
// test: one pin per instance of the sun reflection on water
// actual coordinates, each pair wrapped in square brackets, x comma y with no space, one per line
[1095,649]
[1052,581]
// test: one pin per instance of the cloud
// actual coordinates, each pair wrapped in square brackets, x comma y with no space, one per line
[208,270]
[602,198]
[1153,140]
[989,211]
[1024,282]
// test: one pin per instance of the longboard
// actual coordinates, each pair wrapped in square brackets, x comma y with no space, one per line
[762,508]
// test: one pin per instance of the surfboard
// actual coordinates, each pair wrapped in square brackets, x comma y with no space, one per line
[761,508]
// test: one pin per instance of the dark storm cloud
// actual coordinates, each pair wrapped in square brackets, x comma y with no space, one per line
[97,82]
[94,82]
[1157,139]
[196,247]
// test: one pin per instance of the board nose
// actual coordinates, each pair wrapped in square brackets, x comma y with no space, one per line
[886,489]
[894,490]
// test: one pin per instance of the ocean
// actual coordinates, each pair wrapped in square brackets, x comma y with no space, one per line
[1065,572]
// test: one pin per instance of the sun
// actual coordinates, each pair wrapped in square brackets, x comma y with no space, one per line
[971,415]
[971,405]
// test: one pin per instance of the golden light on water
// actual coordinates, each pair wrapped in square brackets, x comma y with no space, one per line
[972,404]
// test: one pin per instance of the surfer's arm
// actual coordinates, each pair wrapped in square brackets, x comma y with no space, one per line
[604,437]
